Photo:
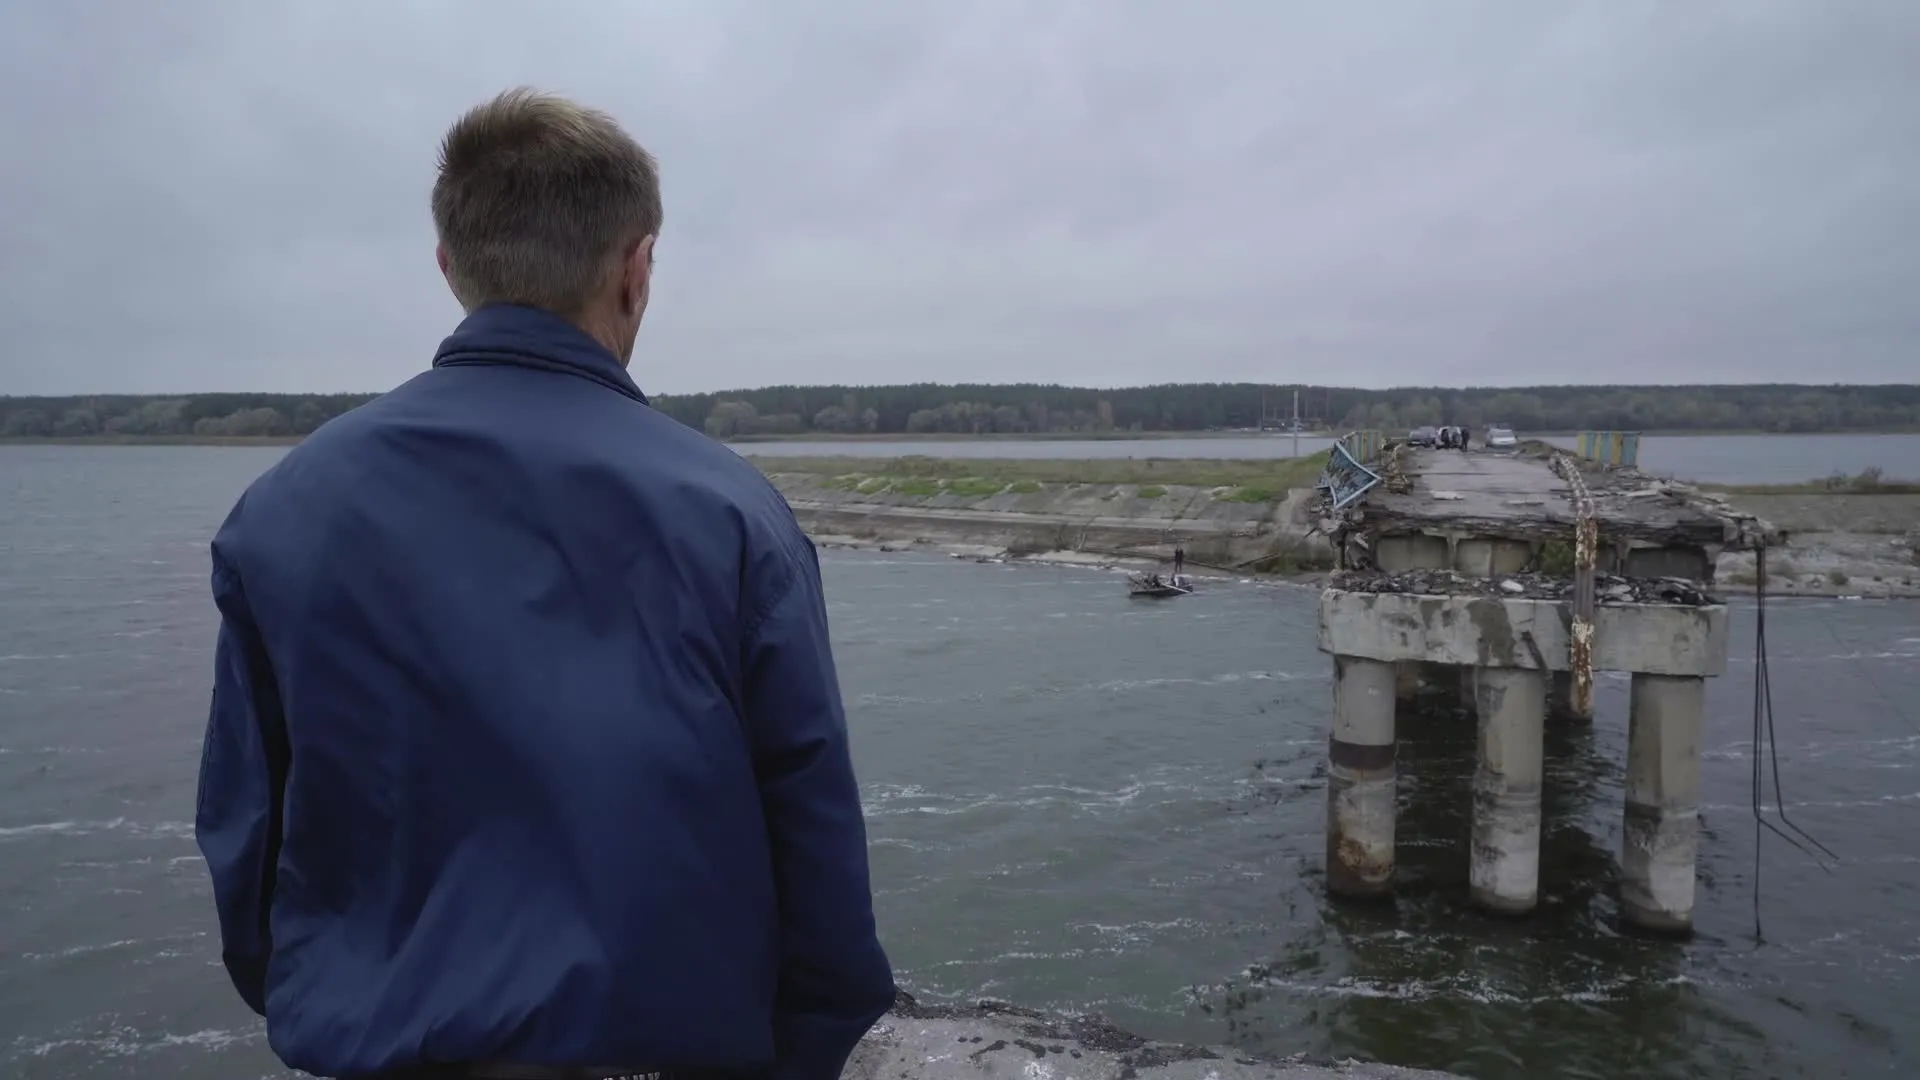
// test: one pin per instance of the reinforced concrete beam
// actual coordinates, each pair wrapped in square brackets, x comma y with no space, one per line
[1490,631]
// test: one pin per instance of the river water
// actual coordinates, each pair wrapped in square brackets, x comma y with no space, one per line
[1076,802]
[1719,459]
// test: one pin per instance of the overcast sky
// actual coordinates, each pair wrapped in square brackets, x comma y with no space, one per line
[232,194]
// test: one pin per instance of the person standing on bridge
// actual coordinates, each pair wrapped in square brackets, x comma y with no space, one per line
[526,756]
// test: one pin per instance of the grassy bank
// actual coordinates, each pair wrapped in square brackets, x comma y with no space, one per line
[996,474]
[1866,482]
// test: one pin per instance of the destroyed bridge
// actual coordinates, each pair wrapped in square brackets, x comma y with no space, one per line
[1507,578]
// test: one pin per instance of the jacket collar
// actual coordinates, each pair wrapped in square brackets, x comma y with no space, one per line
[528,337]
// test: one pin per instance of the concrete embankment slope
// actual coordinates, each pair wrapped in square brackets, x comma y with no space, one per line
[1838,545]
[919,1042]
[1222,525]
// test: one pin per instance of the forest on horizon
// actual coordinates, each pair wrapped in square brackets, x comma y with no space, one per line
[1039,409]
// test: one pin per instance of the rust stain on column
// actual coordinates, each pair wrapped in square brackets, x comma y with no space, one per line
[1361,779]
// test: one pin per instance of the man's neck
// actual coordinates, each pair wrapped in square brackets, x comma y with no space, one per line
[606,330]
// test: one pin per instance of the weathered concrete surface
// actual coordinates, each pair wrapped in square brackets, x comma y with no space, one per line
[1479,557]
[1661,842]
[923,1042]
[1486,631]
[1505,861]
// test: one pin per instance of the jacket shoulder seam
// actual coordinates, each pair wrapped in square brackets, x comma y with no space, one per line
[765,609]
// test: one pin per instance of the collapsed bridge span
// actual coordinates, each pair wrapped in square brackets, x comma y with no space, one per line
[1504,580]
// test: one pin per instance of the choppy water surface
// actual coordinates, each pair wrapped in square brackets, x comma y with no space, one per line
[1076,801]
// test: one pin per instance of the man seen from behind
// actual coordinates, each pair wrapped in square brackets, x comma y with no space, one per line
[526,756]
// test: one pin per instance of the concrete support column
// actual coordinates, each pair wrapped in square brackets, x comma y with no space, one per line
[1662,839]
[1560,701]
[1361,779]
[1505,870]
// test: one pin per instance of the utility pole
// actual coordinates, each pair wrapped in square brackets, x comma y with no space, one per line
[1296,423]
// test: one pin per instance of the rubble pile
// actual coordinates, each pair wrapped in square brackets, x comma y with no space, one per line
[1607,588]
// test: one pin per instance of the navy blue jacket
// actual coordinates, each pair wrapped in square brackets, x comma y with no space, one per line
[526,743]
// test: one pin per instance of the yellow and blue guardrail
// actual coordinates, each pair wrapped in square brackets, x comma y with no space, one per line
[1617,448]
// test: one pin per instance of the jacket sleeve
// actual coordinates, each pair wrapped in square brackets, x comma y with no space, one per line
[834,977]
[243,768]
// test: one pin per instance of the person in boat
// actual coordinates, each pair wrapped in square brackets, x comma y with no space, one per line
[526,756]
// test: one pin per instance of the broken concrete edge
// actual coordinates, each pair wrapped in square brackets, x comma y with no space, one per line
[1493,631]
[993,1038]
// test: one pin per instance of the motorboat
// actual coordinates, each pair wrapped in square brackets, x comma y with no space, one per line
[1153,586]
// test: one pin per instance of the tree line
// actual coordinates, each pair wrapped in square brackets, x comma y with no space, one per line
[1033,409]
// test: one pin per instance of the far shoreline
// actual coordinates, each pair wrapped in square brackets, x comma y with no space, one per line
[909,438]
[1058,469]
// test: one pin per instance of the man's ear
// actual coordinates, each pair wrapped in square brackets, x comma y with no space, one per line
[639,271]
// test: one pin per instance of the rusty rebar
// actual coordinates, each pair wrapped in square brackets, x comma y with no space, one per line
[1586,546]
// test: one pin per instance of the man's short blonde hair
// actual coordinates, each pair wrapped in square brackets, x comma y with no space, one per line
[536,200]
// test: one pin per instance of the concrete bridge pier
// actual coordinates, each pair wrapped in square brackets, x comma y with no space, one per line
[1453,573]
[1361,779]
[1504,874]
[1506,651]
[1662,836]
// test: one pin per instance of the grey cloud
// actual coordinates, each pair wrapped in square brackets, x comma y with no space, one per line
[223,194]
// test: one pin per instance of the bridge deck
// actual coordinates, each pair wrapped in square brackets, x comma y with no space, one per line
[1506,494]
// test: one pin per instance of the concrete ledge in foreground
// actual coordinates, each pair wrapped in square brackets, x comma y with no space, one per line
[931,1042]
[1486,631]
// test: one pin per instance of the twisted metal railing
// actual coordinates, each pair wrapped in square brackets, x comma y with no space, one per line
[1348,477]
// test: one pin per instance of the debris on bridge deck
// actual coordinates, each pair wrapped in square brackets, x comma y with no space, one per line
[1504,580]
[1532,586]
